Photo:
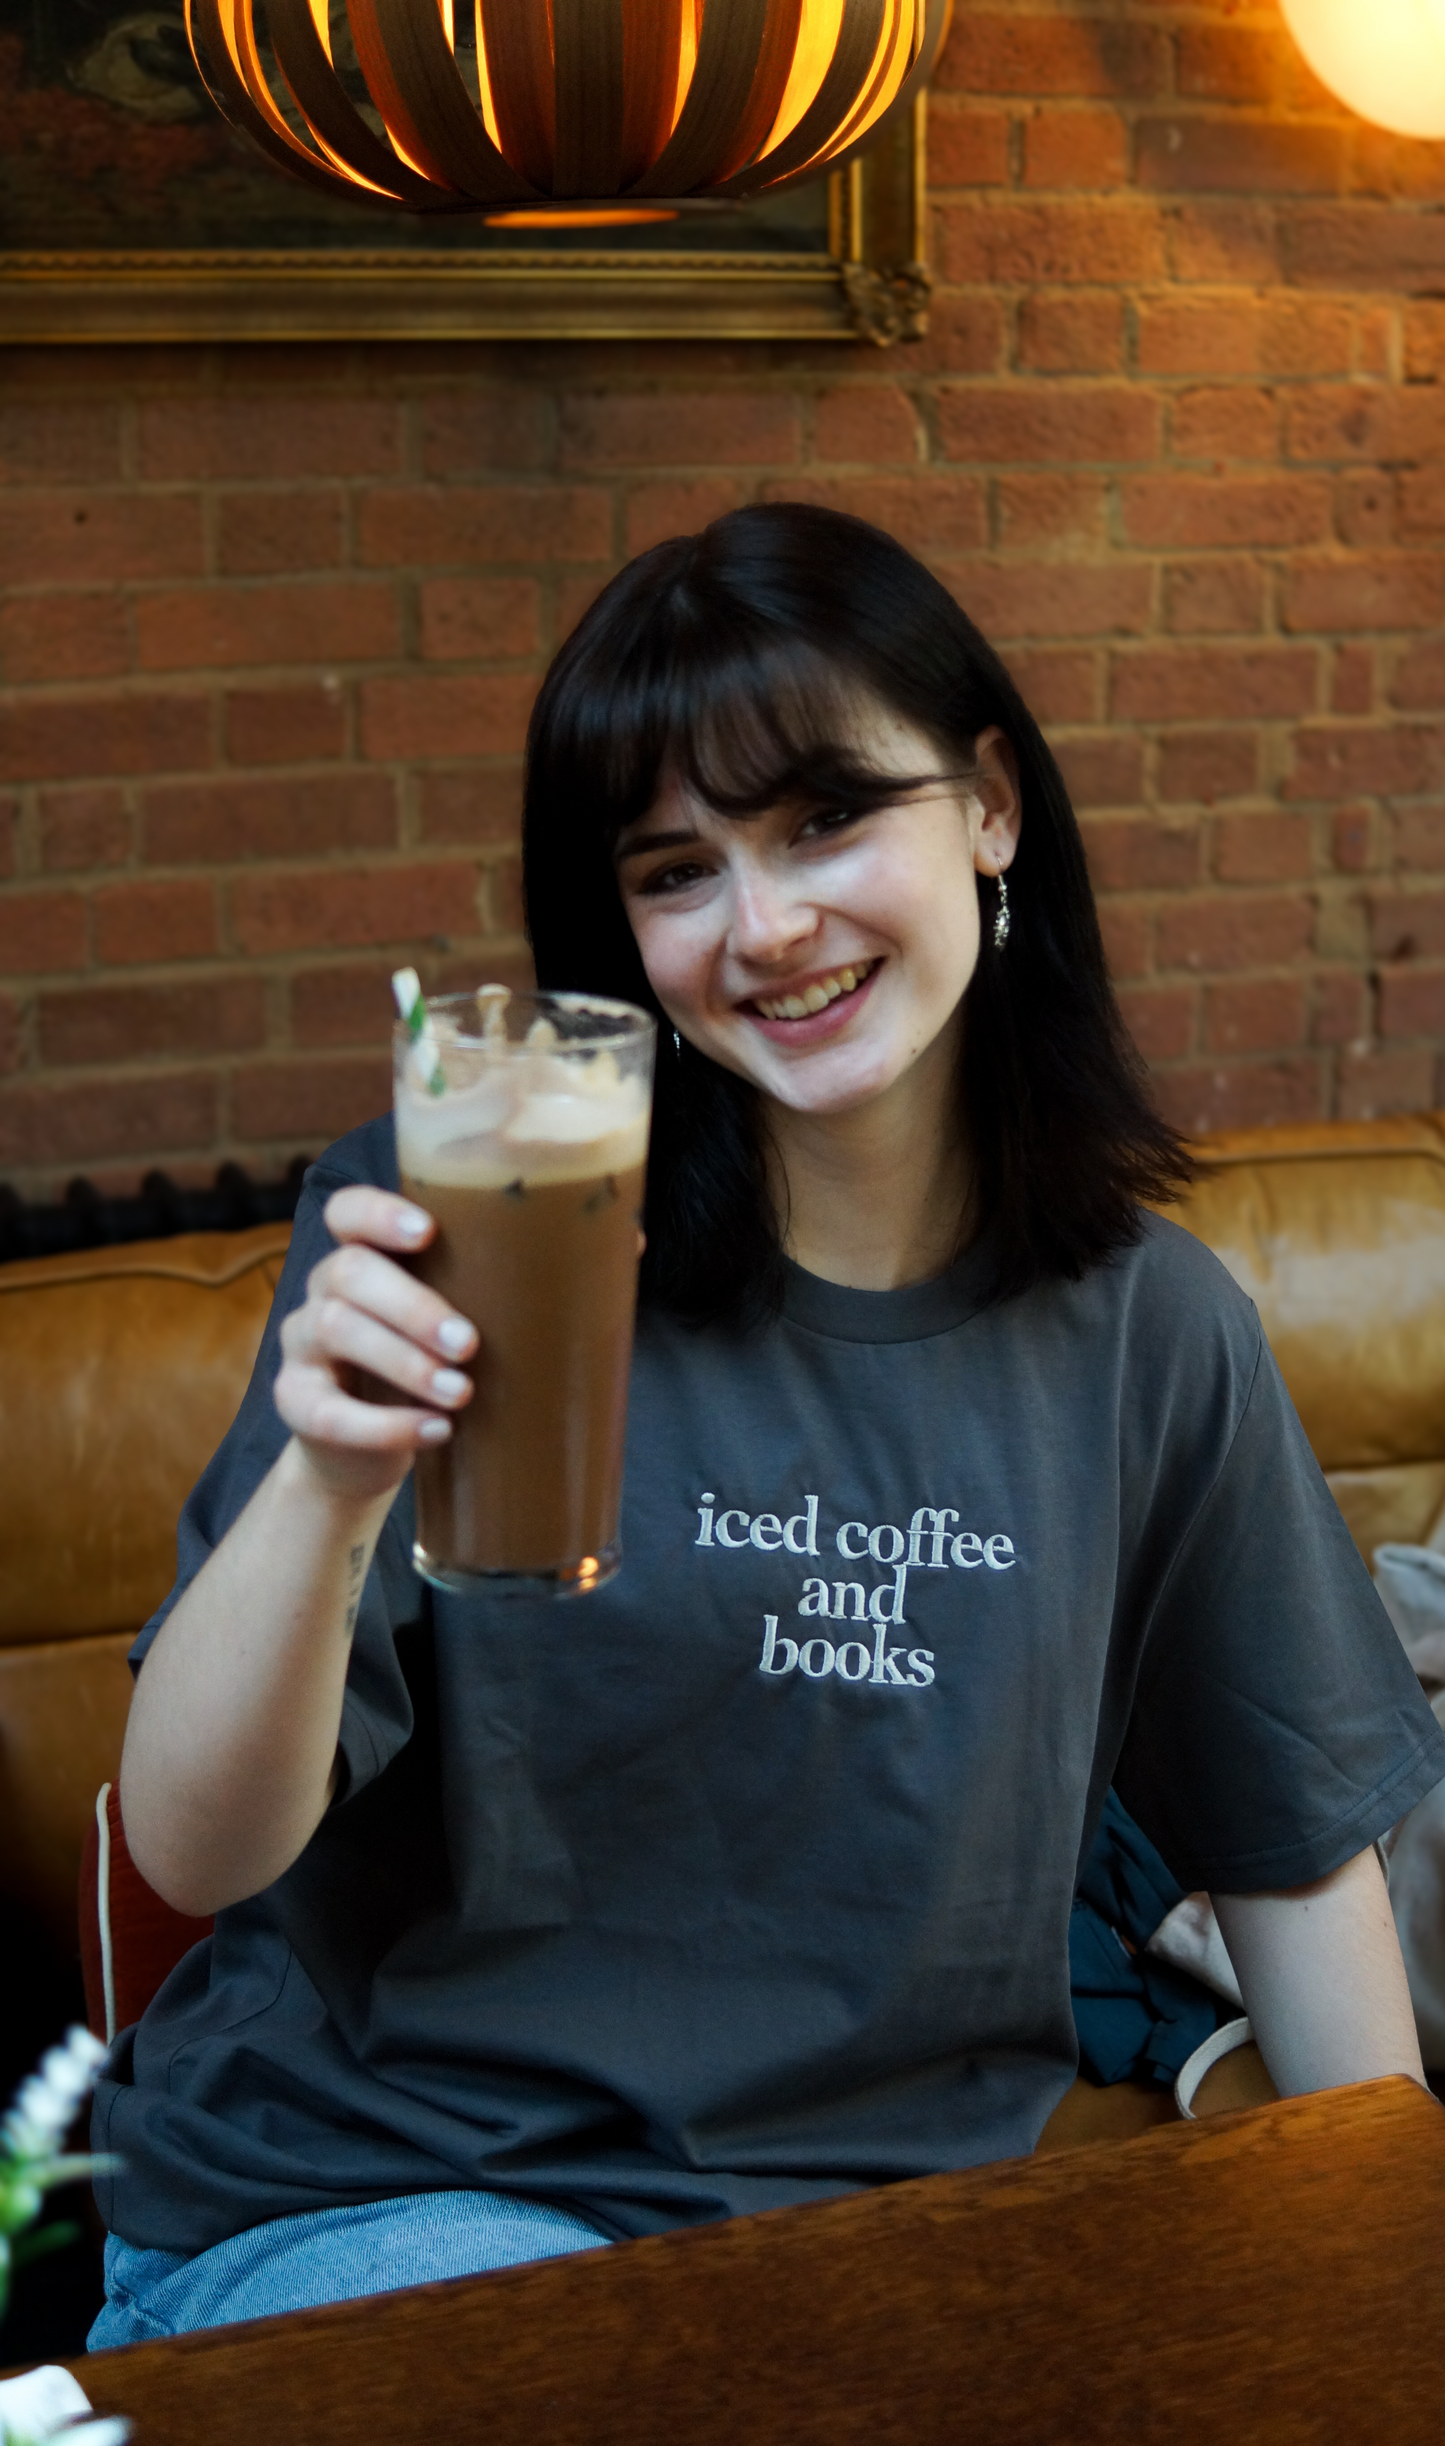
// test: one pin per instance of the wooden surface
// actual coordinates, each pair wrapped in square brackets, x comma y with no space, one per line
[1268,2276]
[1121,2111]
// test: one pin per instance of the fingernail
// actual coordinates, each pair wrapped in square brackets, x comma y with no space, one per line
[434,1430]
[448,1384]
[411,1222]
[455,1336]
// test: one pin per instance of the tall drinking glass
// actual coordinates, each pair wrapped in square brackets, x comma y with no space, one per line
[521,1124]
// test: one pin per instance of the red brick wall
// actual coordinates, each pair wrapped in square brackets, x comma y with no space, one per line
[275,616]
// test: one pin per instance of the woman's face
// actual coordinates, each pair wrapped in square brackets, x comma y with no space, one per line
[820,954]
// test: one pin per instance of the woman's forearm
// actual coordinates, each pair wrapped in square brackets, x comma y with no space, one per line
[1322,1979]
[231,1745]
[230,1752]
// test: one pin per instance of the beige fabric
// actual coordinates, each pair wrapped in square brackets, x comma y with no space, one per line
[1397,1505]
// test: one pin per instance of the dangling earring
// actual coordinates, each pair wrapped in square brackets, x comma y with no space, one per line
[677,1044]
[1001,917]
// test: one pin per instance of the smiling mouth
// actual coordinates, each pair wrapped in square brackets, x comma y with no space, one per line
[815,996]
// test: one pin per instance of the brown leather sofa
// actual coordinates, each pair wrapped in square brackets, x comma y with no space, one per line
[120,1370]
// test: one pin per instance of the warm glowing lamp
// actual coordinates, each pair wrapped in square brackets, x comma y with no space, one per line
[530,110]
[1386,58]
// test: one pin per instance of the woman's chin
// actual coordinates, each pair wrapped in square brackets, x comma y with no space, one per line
[827,1080]
[830,1083]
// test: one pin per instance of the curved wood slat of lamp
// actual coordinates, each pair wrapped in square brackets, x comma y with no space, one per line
[651,55]
[937,16]
[587,37]
[381,84]
[418,46]
[333,119]
[603,123]
[845,78]
[729,49]
[780,41]
[415,83]
[262,125]
[518,54]
[936,26]
[232,20]
[891,64]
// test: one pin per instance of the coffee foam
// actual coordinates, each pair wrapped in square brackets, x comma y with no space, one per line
[528,1116]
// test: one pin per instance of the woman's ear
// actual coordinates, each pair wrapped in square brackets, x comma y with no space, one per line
[996,795]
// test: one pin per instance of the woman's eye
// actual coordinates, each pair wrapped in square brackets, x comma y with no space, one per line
[676,878]
[828,820]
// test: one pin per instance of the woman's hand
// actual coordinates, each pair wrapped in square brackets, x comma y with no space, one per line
[363,1310]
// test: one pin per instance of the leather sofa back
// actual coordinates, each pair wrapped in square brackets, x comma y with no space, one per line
[120,1371]
[1337,1232]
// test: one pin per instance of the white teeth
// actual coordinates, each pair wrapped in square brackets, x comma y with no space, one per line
[816,997]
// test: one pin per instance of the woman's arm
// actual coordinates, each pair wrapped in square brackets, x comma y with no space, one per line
[1323,1981]
[230,1750]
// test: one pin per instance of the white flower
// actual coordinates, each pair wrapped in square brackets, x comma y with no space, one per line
[46,2105]
[50,2403]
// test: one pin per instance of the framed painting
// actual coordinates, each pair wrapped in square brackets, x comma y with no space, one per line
[130,210]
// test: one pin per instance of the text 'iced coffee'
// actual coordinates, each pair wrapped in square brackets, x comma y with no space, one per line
[522,1128]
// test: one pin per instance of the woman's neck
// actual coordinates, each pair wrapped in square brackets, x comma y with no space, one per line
[878,1197]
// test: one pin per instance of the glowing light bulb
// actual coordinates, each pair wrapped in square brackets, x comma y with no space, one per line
[1386,58]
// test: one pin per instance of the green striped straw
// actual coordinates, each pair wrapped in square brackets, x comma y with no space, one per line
[406,985]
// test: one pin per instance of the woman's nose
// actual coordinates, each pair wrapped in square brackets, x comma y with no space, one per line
[768,920]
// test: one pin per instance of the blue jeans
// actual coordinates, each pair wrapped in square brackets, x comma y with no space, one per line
[329,2255]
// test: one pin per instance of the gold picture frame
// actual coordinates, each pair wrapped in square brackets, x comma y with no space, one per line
[871,285]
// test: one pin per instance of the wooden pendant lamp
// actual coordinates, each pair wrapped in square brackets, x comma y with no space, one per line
[541,105]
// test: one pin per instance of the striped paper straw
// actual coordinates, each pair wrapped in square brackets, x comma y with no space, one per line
[406,985]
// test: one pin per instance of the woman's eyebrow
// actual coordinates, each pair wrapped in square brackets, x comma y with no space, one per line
[655,840]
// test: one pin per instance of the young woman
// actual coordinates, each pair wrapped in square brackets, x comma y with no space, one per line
[958,1489]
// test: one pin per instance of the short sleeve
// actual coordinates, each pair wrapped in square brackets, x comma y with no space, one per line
[376,1719]
[1277,1726]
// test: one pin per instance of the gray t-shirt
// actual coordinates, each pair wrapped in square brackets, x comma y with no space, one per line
[745,1880]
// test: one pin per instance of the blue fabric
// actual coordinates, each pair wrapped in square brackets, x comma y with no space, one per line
[1137,2018]
[329,2255]
[1124,1878]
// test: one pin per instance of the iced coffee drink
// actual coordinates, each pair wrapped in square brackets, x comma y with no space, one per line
[522,1125]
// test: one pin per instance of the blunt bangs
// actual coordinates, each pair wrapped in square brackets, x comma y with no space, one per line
[746,713]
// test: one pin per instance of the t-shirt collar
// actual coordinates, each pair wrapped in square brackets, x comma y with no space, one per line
[912,1314]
